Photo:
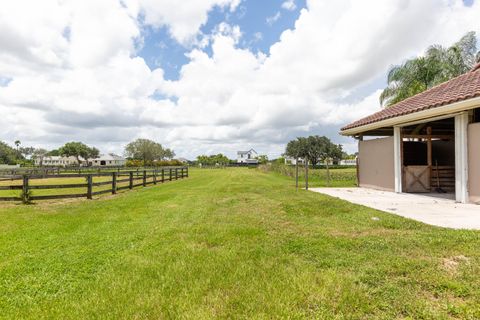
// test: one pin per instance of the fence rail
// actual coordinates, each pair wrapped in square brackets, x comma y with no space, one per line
[145,176]
[46,171]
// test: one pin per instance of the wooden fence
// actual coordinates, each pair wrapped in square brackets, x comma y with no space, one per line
[74,169]
[132,179]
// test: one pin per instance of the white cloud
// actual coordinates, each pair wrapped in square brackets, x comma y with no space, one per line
[69,70]
[289,5]
[271,20]
[182,19]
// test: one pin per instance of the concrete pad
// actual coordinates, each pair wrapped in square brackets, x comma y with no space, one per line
[438,210]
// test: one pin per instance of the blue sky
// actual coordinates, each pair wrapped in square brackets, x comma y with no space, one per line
[252,16]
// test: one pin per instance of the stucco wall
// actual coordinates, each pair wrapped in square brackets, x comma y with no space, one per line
[376,164]
[474,161]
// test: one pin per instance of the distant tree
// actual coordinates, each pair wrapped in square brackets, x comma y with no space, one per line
[216,159]
[53,153]
[438,65]
[168,154]
[26,151]
[8,155]
[147,151]
[77,150]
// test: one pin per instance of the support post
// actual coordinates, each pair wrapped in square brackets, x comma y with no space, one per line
[114,182]
[296,174]
[130,183]
[155,176]
[25,195]
[397,154]
[429,156]
[89,186]
[144,178]
[461,157]
[170,175]
[357,164]
[176,173]
[163,175]
[306,174]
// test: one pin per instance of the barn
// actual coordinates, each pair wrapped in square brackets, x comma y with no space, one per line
[428,143]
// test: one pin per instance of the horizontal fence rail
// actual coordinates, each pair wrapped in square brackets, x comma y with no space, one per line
[44,171]
[140,177]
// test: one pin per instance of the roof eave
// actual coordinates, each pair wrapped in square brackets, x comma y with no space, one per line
[415,116]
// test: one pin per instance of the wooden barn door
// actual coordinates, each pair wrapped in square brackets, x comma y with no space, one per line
[417,178]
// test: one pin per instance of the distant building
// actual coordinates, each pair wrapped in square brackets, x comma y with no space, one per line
[59,161]
[345,162]
[348,162]
[293,161]
[248,157]
[183,160]
[108,160]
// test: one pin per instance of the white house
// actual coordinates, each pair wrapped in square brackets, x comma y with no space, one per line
[248,157]
[58,161]
[293,161]
[108,160]
[348,162]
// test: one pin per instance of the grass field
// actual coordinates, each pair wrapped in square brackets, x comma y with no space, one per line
[232,243]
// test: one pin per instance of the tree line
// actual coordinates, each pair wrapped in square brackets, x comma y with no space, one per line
[141,150]
[222,160]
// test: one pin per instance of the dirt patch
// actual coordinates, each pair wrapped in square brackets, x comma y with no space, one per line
[452,264]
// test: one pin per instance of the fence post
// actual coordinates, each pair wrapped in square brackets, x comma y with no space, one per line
[144,178]
[163,175]
[176,173]
[130,185]
[25,195]
[89,186]
[114,182]
[170,175]
[155,176]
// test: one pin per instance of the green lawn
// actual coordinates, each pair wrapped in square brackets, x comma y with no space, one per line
[232,243]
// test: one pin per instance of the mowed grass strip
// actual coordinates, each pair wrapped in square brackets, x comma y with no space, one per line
[231,243]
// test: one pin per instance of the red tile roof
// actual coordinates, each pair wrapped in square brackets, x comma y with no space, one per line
[461,88]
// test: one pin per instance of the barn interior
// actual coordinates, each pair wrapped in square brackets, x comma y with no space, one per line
[428,157]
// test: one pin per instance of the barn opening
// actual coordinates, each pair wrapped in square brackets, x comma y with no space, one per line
[428,157]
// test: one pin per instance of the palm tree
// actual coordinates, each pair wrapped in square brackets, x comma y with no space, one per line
[438,65]
[17,144]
